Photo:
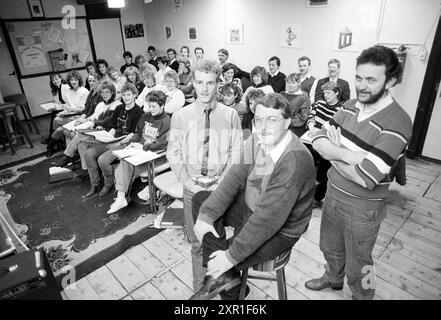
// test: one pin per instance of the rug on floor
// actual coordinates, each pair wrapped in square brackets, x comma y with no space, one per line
[77,234]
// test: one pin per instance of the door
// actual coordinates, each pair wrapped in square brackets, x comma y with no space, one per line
[108,40]
[8,79]
[432,144]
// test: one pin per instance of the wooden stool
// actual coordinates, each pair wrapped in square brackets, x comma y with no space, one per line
[20,100]
[278,265]
[8,111]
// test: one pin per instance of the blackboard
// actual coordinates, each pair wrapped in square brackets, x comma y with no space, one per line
[42,46]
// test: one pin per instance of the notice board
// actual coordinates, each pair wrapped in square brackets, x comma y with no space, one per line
[42,46]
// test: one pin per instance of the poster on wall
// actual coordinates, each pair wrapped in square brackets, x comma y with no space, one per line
[235,34]
[346,37]
[317,3]
[290,35]
[168,32]
[134,30]
[31,51]
[192,32]
[178,5]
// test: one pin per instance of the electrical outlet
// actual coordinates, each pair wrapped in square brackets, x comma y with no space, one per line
[423,54]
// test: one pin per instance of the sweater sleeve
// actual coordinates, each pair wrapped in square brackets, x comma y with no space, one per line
[162,139]
[300,118]
[274,207]
[137,136]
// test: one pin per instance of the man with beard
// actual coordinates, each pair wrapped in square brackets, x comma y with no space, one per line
[363,141]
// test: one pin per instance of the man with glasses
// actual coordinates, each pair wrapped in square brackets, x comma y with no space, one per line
[267,198]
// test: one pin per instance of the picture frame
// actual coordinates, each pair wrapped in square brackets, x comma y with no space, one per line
[235,34]
[168,32]
[36,9]
[134,30]
[178,6]
[317,3]
[193,33]
[346,36]
[290,35]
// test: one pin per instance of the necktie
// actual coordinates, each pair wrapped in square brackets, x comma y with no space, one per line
[204,166]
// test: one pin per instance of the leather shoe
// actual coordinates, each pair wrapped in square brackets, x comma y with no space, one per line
[92,191]
[322,283]
[212,287]
[105,190]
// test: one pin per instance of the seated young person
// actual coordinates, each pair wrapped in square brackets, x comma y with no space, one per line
[250,99]
[150,134]
[103,110]
[102,69]
[75,97]
[259,80]
[150,85]
[163,68]
[228,72]
[299,103]
[133,76]
[175,97]
[230,95]
[90,68]
[98,155]
[321,113]
[117,79]
[267,198]
[186,79]
[142,64]
[128,62]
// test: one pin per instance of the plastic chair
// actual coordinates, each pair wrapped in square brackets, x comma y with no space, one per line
[275,265]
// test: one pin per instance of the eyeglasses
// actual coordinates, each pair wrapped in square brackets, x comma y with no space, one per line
[270,121]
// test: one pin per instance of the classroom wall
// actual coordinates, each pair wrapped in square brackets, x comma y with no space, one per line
[262,19]
[133,13]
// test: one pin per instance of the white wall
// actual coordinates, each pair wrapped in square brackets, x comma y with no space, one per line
[262,19]
[133,13]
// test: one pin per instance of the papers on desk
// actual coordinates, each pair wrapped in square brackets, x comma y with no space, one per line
[48,106]
[143,157]
[127,152]
[104,136]
[72,127]
[306,137]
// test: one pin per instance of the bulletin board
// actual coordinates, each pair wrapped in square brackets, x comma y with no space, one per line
[42,46]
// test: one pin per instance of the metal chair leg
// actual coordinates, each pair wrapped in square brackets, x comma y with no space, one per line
[243,284]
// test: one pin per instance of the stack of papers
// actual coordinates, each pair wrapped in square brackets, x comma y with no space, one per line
[48,106]
[104,136]
[82,126]
[127,152]
[143,157]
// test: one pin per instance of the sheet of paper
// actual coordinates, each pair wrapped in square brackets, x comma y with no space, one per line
[73,127]
[104,136]
[53,34]
[143,157]
[127,152]
[306,137]
[51,105]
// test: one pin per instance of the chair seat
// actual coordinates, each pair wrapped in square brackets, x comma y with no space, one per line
[169,184]
[158,169]
[274,264]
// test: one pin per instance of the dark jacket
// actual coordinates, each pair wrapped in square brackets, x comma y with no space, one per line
[277,82]
[345,91]
[92,100]
[123,121]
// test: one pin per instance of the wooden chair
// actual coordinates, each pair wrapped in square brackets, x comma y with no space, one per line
[9,118]
[276,265]
[21,100]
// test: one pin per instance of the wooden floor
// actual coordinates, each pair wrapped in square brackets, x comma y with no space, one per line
[407,255]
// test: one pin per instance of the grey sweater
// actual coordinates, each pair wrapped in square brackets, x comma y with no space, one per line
[285,205]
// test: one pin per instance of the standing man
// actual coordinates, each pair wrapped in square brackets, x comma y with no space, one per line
[205,140]
[267,199]
[276,79]
[308,83]
[153,57]
[363,141]
[334,72]
[172,62]
[199,53]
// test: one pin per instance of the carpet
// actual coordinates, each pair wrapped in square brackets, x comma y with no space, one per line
[76,233]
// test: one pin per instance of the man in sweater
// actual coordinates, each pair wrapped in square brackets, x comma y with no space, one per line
[334,72]
[308,83]
[267,198]
[363,142]
[205,139]
[276,79]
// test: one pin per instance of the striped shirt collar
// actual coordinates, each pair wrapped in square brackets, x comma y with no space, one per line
[279,149]
[383,103]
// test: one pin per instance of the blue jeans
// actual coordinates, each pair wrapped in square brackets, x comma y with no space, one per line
[348,231]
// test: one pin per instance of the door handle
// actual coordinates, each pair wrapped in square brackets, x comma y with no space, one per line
[12,73]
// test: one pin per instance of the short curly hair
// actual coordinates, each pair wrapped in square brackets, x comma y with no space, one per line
[171,74]
[259,70]
[74,74]
[381,55]
[157,96]
[231,87]
[207,66]
[276,101]
[331,85]
[129,87]
[109,86]
[253,94]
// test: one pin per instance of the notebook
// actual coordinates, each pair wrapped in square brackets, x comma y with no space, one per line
[173,218]
[59,173]
[306,137]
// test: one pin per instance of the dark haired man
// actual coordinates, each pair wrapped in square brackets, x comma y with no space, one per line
[173,63]
[334,72]
[128,59]
[267,198]
[199,53]
[363,141]
[151,50]
[276,79]
[308,83]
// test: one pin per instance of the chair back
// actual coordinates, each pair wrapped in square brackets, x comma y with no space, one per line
[18,98]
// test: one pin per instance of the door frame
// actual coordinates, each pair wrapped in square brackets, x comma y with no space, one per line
[427,98]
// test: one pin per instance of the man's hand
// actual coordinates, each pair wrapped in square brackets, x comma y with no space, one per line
[218,264]
[201,228]
[334,135]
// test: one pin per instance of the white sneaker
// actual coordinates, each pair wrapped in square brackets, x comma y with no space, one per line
[144,194]
[117,205]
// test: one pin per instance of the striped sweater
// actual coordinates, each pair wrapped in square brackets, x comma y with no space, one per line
[321,113]
[384,136]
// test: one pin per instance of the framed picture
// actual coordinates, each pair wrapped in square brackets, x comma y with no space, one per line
[235,34]
[346,36]
[178,5]
[168,32]
[290,35]
[192,32]
[317,3]
[36,8]
[134,30]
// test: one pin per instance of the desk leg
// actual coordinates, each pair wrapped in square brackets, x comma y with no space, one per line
[151,174]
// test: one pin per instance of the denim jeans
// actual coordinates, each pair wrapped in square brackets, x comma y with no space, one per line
[348,231]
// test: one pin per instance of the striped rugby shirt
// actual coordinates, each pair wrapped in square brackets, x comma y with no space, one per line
[321,113]
[384,136]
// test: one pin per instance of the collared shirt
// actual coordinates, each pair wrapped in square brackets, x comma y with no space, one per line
[383,103]
[186,140]
[275,74]
[279,149]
